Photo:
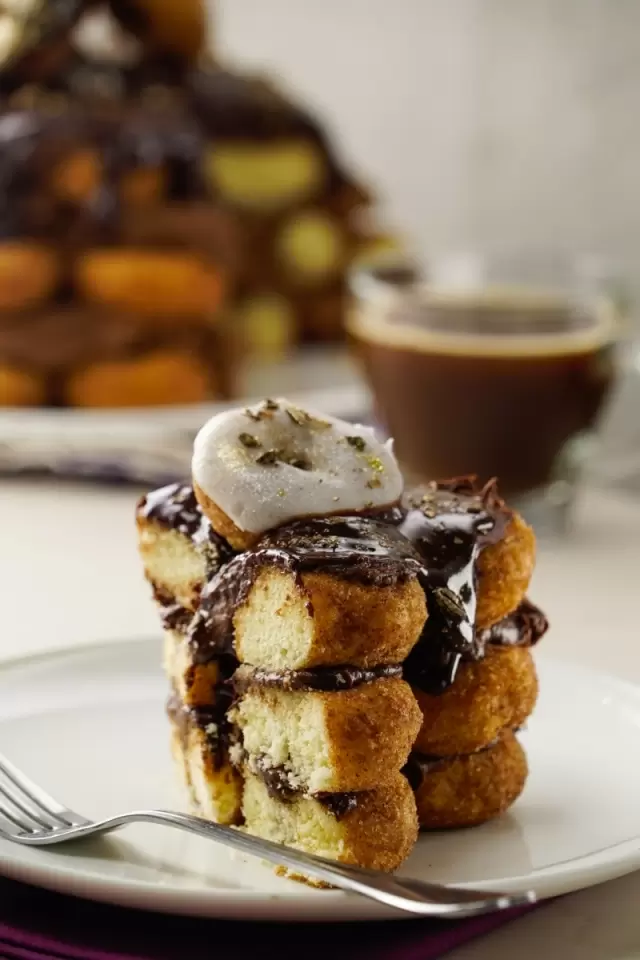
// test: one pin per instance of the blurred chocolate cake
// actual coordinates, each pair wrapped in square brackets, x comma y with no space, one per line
[157,213]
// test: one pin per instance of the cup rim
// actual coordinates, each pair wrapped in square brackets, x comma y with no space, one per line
[368,320]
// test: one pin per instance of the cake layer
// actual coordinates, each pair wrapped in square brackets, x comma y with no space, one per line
[354,739]
[375,829]
[464,791]
[488,696]
[200,754]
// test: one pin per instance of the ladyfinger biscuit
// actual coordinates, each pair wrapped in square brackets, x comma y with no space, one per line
[316,741]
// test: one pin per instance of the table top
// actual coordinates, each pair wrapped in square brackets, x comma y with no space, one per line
[70,575]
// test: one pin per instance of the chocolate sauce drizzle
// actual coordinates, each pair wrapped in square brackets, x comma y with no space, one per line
[176,508]
[212,720]
[449,524]
[420,765]
[325,679]
[278,783]
[523,628]
[360,549]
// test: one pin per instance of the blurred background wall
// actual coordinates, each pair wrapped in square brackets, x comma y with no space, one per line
[487,124]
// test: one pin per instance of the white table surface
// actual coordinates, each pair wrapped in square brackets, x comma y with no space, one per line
[70,575]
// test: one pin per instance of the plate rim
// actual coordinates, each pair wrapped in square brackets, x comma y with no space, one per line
[575,874]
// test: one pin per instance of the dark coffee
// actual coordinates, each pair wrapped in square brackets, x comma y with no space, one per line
[485,383]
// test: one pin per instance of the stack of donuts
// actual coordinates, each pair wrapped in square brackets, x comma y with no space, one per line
[159,215]
[347,663]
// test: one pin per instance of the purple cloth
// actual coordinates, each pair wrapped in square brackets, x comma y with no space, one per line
[38,925]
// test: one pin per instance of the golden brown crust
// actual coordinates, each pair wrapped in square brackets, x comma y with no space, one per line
[504,572]
[486,697]
[28,274]
[164,377]
[162,287]
[469,790]
[20,389]
[379,833]
[383,829]
[372,730]
[362,624]
[222,524]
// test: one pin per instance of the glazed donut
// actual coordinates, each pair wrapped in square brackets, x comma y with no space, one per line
[259,468]
[162,377]
[164,287]
[487,697]
[464,791]
[28,274]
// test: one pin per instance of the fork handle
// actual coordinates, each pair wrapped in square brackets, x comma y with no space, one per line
[412,896]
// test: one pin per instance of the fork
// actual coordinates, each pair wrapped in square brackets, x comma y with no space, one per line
[33,818]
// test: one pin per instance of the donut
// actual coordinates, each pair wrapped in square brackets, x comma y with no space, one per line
[264,466]
[178,548]
[18,388]
[164,287]
[327,741]
[162,377]
[465,791]
[504,572]
[375,829]
[212,785]
[487,697]
[28,274]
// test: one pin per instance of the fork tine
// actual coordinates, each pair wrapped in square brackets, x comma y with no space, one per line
[34,820]
[40,800]
[12,819]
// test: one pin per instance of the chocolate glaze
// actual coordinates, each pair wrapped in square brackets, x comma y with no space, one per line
[523,628]
[360,549]
[278,783]
[449,524]
[325,679]
[176,508]
[173,615]
[212,720]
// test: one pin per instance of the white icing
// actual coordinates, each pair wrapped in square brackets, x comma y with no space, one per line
[344,476]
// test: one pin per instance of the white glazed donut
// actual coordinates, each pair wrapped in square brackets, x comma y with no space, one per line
[260,467]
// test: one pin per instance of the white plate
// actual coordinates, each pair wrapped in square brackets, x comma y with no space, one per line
[89,725]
